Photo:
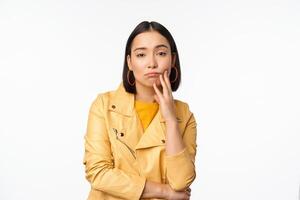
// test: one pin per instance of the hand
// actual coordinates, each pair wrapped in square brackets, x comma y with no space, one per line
[165,98]
[170,194]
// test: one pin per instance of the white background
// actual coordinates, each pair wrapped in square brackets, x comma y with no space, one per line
[240,64]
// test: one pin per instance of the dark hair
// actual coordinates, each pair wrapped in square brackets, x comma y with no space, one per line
[142,27]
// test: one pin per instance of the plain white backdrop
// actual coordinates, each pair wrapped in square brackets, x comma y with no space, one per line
[240,75]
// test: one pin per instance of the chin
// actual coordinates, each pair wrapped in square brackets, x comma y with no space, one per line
[155,81]
[149,83]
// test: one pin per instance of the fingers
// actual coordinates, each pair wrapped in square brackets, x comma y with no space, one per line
[156,99]
[163,84]
[158,95]
[186,196]
[166,85]
[187,193]
[167,81]
[166,88]
[182,195]
[188,189]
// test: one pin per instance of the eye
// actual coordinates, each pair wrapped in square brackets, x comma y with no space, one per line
[140,55]
[162,53]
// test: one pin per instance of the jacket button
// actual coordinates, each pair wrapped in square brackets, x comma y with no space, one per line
[163,141]
[113,106]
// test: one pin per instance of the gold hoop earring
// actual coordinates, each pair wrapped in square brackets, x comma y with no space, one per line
[176,77]
[128,74]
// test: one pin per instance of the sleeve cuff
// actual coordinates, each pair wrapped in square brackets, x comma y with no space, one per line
[182,180]
[141,181]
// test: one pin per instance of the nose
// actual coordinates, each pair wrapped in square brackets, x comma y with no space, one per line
[152,62]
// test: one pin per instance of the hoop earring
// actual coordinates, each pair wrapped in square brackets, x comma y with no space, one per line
[176,77]
[128,74]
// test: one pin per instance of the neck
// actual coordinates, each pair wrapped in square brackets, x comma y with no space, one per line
[144,93]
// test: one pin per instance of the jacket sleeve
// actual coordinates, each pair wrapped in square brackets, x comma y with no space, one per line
[181,166]
[99,162]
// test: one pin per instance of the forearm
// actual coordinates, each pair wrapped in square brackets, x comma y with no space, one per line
[174,142]
[177,155]
[153,190]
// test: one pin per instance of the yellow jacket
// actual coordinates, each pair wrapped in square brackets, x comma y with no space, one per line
[119,156]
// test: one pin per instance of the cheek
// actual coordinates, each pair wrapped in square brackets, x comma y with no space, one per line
[165,63]
[138,66]
[137,71]
[166,67]
[138,62]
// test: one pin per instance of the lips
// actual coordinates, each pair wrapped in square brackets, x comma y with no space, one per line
[152,74]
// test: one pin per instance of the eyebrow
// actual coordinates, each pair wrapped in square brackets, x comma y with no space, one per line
[157,46]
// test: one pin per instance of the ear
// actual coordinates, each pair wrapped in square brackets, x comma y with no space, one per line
[129,62]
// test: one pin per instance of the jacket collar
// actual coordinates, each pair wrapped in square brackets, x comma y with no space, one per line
[123,102]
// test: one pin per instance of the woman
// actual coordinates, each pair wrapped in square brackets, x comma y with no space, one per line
[140,142]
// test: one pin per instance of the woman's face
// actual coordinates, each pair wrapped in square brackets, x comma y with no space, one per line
[150,56]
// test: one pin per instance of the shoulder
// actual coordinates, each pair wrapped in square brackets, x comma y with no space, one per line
[105,96]
[114,95]
[101,99]
[182,105]
[182,109]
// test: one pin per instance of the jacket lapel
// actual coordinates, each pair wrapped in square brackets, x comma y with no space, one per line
[122,102]
[155,134]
